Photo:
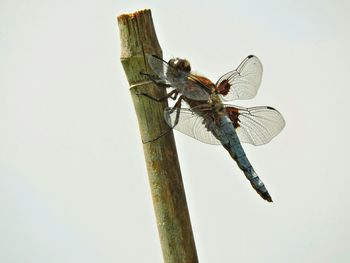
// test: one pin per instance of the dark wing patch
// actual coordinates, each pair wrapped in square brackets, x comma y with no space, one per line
[224,87]
[233,114]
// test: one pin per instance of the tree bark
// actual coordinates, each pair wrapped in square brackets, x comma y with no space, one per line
[138,38]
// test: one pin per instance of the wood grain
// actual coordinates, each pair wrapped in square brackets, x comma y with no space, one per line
[138,38]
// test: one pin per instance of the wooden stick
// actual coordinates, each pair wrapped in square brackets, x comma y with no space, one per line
[138,38]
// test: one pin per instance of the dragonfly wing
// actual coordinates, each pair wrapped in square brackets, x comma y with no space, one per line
[158,65]
[242,83]
[191,124]
[256,125]
[187,84]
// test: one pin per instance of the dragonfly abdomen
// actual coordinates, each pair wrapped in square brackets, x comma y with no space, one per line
[230,141]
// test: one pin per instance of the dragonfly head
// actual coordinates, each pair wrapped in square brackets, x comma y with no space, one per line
[181,64]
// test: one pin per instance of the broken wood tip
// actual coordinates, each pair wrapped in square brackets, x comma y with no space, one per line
[133,15]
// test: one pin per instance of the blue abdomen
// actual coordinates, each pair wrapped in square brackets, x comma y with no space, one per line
[229,139]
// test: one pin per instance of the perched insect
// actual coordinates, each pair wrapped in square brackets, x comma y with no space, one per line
[210,121]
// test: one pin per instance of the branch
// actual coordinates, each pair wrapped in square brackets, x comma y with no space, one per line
[138,37]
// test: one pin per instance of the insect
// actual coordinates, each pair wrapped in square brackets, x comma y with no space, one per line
[208,119]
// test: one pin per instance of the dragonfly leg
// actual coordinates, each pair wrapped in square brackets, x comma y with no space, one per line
[176,107]
[171,95]
[154,79]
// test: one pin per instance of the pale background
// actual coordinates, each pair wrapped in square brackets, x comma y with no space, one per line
[73,183]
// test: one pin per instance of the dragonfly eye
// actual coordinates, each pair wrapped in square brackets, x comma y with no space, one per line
[172,62]
[186,65]
[181,64]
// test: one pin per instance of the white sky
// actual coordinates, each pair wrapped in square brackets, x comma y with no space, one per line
[73,183]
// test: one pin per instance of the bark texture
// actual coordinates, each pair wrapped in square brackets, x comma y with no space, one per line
[138,38]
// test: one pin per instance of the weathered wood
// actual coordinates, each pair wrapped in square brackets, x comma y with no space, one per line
[138,37]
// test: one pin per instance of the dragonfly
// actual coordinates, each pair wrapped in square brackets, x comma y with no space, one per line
[208,119]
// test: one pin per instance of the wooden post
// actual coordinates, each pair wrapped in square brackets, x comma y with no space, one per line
[138,38]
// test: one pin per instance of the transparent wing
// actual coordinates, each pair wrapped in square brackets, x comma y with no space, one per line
[243,82]
[192,125]
[256,125]
[186,83]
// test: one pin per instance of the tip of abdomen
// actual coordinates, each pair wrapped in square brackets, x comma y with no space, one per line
[258,185]
[266,196]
